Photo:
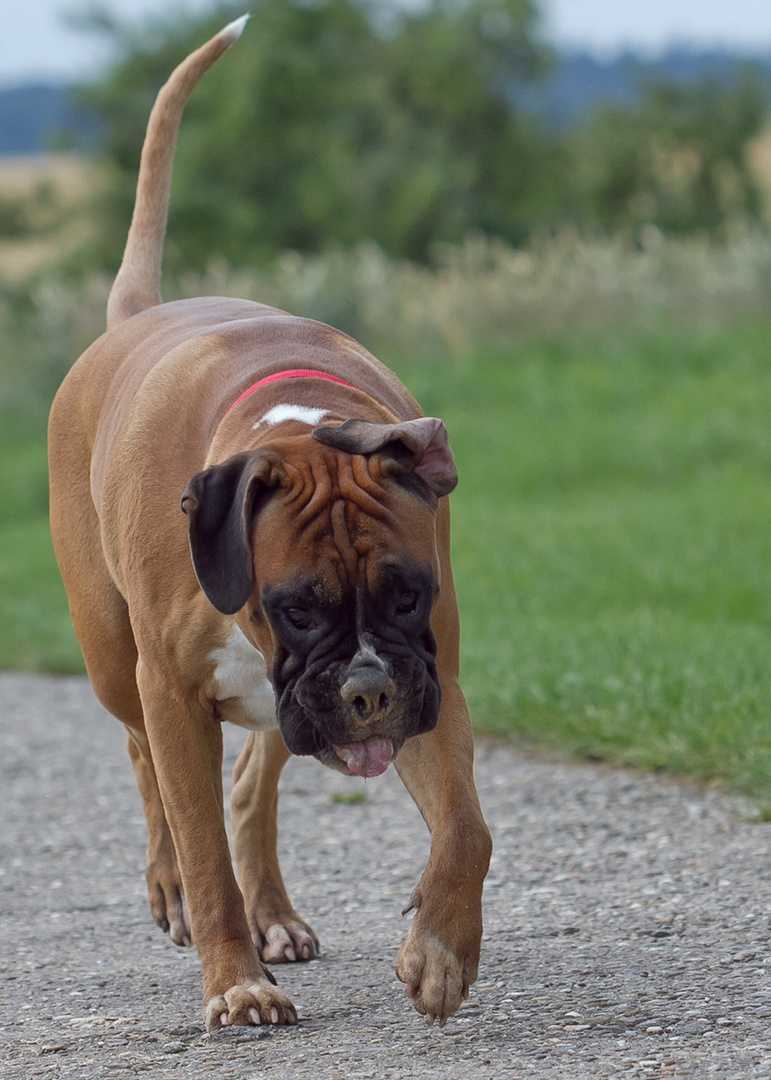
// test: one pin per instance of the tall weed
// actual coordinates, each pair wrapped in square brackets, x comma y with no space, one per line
[483,294]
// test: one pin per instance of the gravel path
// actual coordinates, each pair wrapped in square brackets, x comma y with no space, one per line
[626,933]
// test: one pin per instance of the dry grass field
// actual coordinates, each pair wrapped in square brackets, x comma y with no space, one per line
[43,195]
[759,160]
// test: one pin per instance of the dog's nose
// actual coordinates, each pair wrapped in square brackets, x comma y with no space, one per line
[368,687]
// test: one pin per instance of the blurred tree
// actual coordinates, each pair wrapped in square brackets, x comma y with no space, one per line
[677,159]
[335,120]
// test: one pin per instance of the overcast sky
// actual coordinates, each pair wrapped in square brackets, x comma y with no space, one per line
[36,44]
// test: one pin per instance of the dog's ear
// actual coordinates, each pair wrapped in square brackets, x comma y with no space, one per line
[414,446]
[220,504]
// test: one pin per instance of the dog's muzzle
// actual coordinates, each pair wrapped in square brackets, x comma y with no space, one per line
[354,716]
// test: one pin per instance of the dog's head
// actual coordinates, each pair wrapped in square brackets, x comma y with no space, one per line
[325,547]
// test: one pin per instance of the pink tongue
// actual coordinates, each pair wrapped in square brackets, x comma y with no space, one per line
[369,758]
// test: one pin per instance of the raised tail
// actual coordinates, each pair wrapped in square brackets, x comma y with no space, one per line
[137,285]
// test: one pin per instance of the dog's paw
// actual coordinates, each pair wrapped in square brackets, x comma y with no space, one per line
[435,977]
[286,941]
[249,1003]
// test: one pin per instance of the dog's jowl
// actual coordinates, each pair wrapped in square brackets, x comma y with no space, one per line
[250,517]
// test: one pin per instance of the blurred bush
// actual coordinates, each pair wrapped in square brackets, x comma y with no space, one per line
[677,159]
[344,121]
[334,120]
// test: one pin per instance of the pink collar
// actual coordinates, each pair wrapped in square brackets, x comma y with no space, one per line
[291,373]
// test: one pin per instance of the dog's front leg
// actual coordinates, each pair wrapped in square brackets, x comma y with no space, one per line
[440,955]
[186,743]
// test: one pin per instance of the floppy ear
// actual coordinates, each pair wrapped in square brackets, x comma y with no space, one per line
[220,504]
[416,446]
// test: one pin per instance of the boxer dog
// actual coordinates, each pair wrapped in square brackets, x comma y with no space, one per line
[302,591]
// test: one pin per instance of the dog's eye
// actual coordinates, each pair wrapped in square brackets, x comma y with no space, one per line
[407,602]
[299,618]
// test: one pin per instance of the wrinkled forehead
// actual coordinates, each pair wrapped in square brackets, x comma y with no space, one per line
[349,550]
[341,525]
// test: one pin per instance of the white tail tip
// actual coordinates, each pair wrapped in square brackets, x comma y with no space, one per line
[233,31]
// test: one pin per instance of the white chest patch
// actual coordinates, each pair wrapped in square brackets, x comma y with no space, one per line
[242,679]
[279,413]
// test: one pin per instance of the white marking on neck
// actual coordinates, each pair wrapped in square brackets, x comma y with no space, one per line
[240,673]
[303,413]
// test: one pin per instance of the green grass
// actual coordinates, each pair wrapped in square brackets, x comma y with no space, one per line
[35,631]
[612,546]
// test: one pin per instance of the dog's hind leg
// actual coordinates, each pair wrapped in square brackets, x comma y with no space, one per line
[277,930]
[164,882]
[100,618]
